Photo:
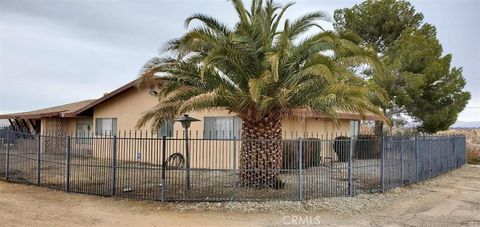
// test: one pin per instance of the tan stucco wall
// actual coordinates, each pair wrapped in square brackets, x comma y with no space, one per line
[129,106]
[71,125]
[60,126]
[314,128]
[54,131]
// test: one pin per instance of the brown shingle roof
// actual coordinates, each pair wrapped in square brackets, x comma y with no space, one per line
[49,112]
[303,113]
[106,97]
[82,107]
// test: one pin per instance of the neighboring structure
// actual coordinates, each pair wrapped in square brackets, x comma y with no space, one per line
[120,110]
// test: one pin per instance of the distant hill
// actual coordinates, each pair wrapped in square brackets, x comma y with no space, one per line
[466,124]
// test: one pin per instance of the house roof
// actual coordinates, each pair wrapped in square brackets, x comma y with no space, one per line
[86,106]
[106,97]
[56,111]
[70,109]
[341,115]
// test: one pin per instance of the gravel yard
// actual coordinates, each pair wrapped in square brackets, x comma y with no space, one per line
[143,180]
[452,199]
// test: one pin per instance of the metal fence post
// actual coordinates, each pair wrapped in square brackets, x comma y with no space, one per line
[300,180]
[164,153]
[416,158]
[234,169]
[37,140]
[401,161]
[465,151]
[350,170]
[187,161]
[67,171]
[7,158]
[382,158]
[114,164]
[430,158]
[454,152]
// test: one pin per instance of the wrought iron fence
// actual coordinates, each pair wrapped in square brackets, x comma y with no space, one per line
[144,166]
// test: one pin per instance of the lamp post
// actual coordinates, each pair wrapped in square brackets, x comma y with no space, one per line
[186,121]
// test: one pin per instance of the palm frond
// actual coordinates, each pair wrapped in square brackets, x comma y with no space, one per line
[259,67]
[210,22]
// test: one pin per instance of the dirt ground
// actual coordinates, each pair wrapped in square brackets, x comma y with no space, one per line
[449,200]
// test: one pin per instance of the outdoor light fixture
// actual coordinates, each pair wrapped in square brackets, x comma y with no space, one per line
[186,120]
[153,93]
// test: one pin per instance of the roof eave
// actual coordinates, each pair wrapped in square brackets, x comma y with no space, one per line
[101,100]
[341,116]
[29,116]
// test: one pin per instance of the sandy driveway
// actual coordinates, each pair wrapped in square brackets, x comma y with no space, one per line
[449,200]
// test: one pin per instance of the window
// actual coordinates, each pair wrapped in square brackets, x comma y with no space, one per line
[166,129]
[222,127]
[105,126]
[84,130]
[354,128]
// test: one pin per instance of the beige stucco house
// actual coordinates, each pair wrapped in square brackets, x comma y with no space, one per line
[120,110]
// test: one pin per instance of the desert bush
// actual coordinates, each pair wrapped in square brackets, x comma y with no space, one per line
[473,156]
[341,146]
[311,153]
[367,147]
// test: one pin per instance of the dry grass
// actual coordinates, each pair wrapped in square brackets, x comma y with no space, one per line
[473,157]
[473,143]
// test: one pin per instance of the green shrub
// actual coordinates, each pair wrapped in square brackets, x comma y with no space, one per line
[311,153]
[278,183]
[367,147]
[341,146]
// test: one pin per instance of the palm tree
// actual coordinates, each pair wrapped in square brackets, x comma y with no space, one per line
[261,70]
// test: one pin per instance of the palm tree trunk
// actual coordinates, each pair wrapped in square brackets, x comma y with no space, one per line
[378,133]
[378,128]
[261,152]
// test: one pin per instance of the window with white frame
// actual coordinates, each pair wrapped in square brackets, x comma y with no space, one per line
[166,129]
[105,126]
[222,127]
[354,128]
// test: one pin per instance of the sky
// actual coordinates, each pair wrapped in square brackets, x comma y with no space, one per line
[54,52]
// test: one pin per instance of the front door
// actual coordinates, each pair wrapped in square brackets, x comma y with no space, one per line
[84,131]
